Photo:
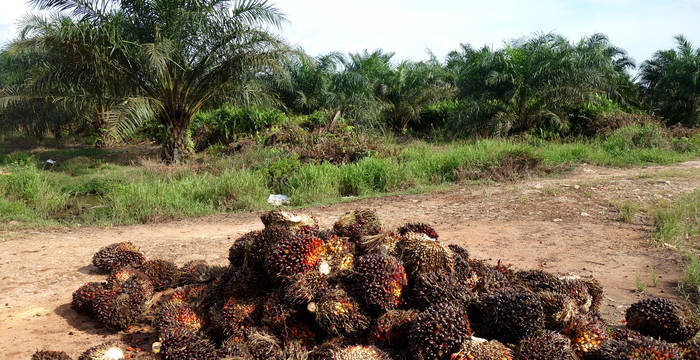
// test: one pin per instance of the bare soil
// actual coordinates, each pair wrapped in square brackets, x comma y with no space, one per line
[563,224]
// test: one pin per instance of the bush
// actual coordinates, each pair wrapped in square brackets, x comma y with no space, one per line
[225,124]
[435,116]
[635,137]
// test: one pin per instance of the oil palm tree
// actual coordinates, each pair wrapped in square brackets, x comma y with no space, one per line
[161,59]
[670,81]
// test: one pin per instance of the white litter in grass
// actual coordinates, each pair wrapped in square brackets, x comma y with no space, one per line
[278,199]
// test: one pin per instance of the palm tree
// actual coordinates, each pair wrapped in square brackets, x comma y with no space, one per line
[670,81]
[161,59]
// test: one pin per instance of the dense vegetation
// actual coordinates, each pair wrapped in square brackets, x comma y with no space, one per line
[210,84]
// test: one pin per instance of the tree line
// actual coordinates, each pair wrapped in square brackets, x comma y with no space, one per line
[107,67]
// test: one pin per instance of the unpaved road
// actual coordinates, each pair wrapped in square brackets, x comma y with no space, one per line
[564,224]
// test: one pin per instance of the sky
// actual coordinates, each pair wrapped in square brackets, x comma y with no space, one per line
[411,27]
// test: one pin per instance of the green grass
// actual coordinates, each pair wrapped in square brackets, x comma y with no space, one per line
[101,187]
[627,210]
[679,223]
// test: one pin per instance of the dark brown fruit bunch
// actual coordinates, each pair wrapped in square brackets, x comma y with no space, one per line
[117,256]
[489,350]
[238,315]
[509,315]
[380,280]
[177,314]
[382,243]
[662,318]
[285,219]
[117,278]
[50,355]
[392,328]
[276,313]
[433,287]
[439,331]
[643,348]
[234,349]
[195,272]
[559,309]
[358,223]
[164,274]
[263,345]
[418,227]
[339,315]
[85,295]
[120,308]
[239,253]
[182,344]
[421,254]
[358,352]
[586,333]
[545,345]
[481,277]
[295,255]
[689,350]
[302,289]
[106,351]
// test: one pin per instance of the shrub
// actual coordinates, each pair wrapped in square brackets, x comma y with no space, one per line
[635,137]
[226,123]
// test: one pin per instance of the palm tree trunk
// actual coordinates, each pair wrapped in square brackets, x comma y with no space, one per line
[177,145]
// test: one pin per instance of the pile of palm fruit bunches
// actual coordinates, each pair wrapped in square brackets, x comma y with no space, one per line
[293,291]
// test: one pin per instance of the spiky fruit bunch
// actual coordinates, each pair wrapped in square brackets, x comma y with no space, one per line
[482,350]
[689,350]
[644,348]
[358,352]
[239,252]
[118,277]
[481,277]
[234,349]
[382,243]
[106,351]
[421,254]
[297,254]
[338,314]
[276,313]
[183,344]
[559,309]
[595,290]
[439,331]
[177,314]
[195,272]
[193,295]
[117,256]
[164,274]
[263,344]
[662,318]
[392,328]
[121,307]
[572,287]
[510,315]
[586,333]
[50,355]
[299,331]
[301,289]
[433,287]
[380,280]
[545,345]
[418,227]
[85,295]
[358,223]
[238,315]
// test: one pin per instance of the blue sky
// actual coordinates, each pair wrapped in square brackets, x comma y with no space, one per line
[409,27]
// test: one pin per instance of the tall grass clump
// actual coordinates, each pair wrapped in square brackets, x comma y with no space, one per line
[34,189]
[678,223]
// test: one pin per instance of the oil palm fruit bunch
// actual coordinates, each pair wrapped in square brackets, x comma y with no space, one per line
[193,295]
[118,277]
[358,352]
[289,220]
[587,333]
[85,295]
[164,274]
[304,288]
[418,227]
[382,243]
[106,351]
[689,350]
[263,344]
[337,256]
[117,256]
[121,307]
[234,349]
[483,278]
[195,272]
[339,314]
[482,350]
[433,287]
[238,315]
[50,355]
[380,280]
[391,329]
[421,254]
[182,344]
[439,331]
[357,223]
[662,318]
[545,345]
[643,348]
[177,314]
[559,309]
[297,254]
[572,287]
[240,251]
[510,315]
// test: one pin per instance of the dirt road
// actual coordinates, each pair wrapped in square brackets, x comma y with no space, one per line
[564,224]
